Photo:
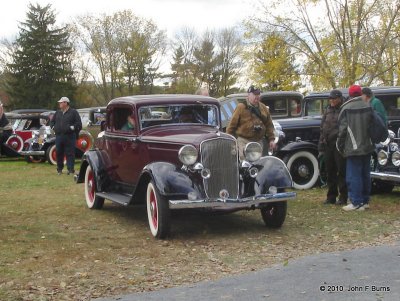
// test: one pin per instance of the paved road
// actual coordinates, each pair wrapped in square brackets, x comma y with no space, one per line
[364,274]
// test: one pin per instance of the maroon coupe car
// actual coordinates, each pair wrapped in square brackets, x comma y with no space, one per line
[168,152]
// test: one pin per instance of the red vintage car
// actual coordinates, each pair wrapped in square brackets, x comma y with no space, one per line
[168,152]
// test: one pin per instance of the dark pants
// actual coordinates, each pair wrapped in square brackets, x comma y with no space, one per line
[65,146]
[359,179]
[336,174]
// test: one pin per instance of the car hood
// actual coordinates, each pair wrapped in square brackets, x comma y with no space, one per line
[182,135]
[299,122]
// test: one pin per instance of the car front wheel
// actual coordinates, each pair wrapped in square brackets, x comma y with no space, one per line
[274,214]
[92,200]
[158,213]
[303,167]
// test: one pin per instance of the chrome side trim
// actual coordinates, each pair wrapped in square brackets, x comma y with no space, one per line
[249,202]
[32,153]
[385,176]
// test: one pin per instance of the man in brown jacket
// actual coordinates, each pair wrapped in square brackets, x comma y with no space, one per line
[251,122]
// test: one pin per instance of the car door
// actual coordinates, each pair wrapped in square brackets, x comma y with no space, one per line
[123,146]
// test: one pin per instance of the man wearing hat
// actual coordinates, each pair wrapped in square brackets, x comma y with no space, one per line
[335,163]
[66,123]
[369,97]
[355,144]
[251,122]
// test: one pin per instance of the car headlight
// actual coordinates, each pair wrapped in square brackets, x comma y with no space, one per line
[188,154]
[252,151]
[391,136]
[396,158]
[35,134]
[382,157]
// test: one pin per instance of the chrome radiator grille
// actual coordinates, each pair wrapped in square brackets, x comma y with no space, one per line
[220,157]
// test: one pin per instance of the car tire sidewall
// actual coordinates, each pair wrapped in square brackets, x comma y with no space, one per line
[92,201]
[308,155]
[274,214]
[154,201]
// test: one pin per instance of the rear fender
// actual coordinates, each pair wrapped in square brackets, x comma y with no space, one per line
[98,163]
[299,145]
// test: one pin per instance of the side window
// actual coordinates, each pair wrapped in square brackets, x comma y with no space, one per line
[316,107]
[123,120]
[391,104]
[278,107]
[295,107]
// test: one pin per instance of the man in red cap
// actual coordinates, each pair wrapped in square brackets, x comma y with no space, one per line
[355,144]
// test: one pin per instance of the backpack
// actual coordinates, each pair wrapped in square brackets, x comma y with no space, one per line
[378,131]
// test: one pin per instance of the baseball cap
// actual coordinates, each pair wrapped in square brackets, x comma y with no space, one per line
[355,90]
[335,94]
[64,99]
[253,90]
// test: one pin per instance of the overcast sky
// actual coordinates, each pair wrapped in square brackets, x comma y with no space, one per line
[168,14]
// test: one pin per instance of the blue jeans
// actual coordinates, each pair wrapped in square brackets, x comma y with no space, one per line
[65,146]
[358,178]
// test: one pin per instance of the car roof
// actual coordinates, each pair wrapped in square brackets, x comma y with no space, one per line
[98,109]
[163,99]
[29,111]
[270,94]
[345,91]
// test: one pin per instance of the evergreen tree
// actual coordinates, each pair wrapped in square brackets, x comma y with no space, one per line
[41,68]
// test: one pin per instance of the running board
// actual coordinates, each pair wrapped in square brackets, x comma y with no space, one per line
[122,199]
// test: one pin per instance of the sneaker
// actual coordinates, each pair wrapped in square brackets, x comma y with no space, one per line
[351,207]
[366,206]
[59,172]
[341,202]
[71,171]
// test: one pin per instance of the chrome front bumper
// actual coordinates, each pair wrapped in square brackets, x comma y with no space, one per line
[246,203]
[32,153]
[385,176]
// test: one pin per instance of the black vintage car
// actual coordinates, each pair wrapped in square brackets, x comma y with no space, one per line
[298,147]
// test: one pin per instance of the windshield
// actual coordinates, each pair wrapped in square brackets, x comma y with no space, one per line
[178,114]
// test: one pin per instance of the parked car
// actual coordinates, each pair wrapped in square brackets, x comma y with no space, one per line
[42,145]
[298,147]
[171,162]
[92,119]
[385,165]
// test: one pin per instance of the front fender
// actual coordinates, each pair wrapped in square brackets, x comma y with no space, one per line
[173,182]
[98,163]
[272,171]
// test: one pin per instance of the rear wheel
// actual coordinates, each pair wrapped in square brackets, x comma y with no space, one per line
[92,200]
[303,167]
[51,155]
[158,212]
[274,214]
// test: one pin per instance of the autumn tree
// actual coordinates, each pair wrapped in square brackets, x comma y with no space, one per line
[40,68]
[340,42]
[273,65]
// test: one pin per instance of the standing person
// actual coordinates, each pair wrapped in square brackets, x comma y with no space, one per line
[369,97]
[251,122]
[5,126]
[355,143]
[66,123]
[335,162]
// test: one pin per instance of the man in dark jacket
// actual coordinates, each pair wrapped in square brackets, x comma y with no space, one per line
[355,144]
[5,126]
[335,163]
[66,123]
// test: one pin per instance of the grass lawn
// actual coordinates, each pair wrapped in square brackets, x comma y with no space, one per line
[54,248]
